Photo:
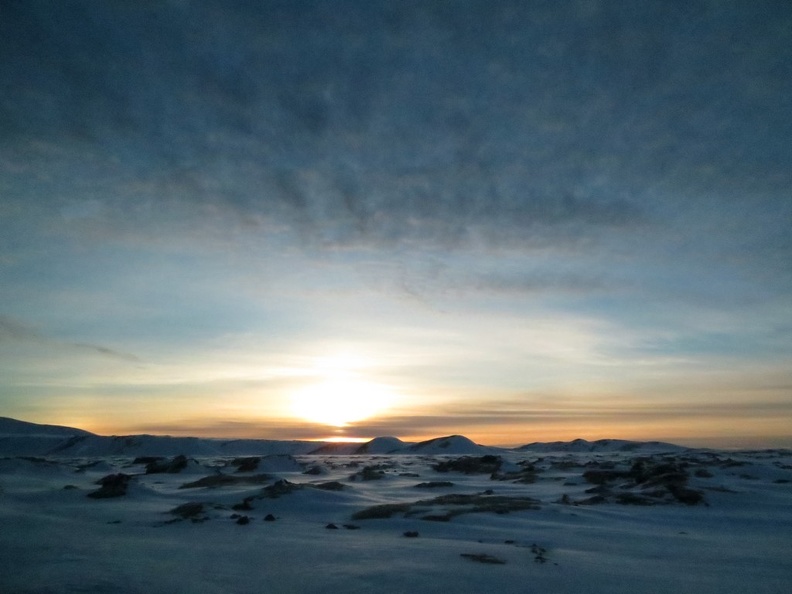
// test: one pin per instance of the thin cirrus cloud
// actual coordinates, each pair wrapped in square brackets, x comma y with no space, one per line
[499,196]
[12,331]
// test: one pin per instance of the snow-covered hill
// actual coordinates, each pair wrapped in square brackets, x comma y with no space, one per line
[20,438]
[451,444]
[600,445]
[382,445]
[13,427]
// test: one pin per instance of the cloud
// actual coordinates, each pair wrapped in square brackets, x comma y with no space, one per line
[12,330]
[230,429]
[484,418]
[105,351]
[405,125]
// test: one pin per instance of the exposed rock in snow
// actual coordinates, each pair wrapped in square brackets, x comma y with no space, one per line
[487,464]
[159,466]
[113,485]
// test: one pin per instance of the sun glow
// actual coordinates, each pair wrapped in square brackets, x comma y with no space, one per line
[340,401]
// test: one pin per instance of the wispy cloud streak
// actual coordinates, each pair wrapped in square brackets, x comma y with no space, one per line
[12,330]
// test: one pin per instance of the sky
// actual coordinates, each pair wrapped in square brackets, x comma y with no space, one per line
[517,221]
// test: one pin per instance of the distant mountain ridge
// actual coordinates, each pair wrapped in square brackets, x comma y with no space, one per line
[9,426]
[600,445]
[21,438]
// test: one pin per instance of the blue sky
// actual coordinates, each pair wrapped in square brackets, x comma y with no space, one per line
[517,221]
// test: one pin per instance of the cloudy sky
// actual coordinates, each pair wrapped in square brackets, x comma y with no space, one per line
[519,221]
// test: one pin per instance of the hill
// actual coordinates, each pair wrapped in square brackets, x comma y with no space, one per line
[600,445]
[21,438]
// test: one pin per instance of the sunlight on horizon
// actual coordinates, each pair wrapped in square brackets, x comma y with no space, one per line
[337,402]
[341,394]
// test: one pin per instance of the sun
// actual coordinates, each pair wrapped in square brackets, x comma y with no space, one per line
[339,401]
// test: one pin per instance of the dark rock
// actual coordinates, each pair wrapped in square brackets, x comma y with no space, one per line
[437,517]
[329,486]
[595,500]
[190,509]
[351,527]
[483,558]
[667,479]
[113,485]
[331,527]
[730,463]
[479,503]
[248,464]
[269,518]
[225,480]
[281,487]
[566,464]
[114,479]
[244,506]
[242,520]
[383,511]
[487,464]
[686,495]
[462,504]
[539,553]
[633,499]
[434,485]
[599,490]
[524,476]
[369,473]
[411,534]
[314,470]
[602,477]
[657,493]
[87,465]
[147,459]
[160,465]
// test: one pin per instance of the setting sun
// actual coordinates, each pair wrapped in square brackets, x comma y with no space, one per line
[339,401]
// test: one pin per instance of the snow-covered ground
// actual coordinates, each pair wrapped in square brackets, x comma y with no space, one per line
[446,516]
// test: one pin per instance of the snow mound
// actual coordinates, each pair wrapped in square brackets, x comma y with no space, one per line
[279,463]
[381,445]
[452,445]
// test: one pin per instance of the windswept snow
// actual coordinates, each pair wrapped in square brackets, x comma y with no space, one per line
[443,515]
